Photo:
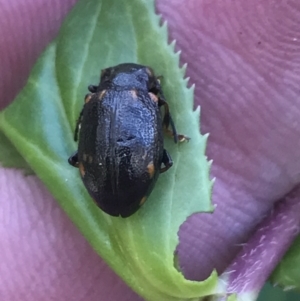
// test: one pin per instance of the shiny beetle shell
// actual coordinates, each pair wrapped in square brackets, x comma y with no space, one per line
[121,148]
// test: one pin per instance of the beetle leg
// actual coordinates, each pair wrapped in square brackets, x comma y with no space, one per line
[78,122]
[167,161]
[167,117]
[92,88]
[168,120]
[177,137]
[73,160]
[159,78]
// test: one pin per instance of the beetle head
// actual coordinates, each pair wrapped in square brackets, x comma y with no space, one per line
[128,75]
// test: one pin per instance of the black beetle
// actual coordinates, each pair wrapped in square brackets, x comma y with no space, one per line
[121,148]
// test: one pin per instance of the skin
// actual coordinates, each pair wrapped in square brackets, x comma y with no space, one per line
[244,60]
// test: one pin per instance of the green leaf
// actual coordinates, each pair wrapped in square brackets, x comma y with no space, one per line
[276,294]
[287,273]
[10,157]
[40,124]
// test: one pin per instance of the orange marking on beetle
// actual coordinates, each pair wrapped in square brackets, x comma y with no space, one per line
[151,169]
[153,97]
[143,200]
[134,93]
[81,169]
[102,94]
[88,97]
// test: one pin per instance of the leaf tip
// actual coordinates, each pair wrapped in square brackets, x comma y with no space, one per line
[206,136]
[173,43]
[164,25]
[184,67]
[186,80]
[192,87]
